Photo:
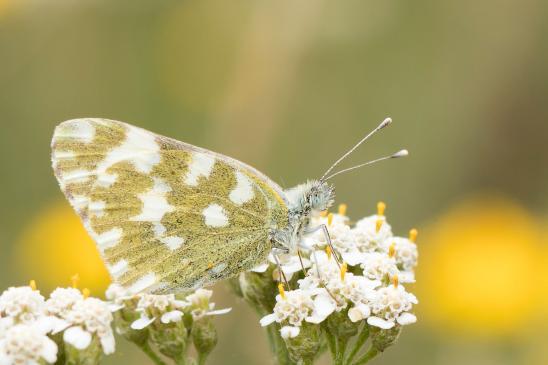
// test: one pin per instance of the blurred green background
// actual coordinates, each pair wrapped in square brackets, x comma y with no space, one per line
[287,86]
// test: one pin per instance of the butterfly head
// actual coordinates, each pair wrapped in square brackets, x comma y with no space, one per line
[314,195]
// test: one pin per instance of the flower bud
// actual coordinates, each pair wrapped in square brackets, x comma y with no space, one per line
[204,336]
[382,339]
[304,347]
[257,288]
[91,355]
[341,326]
[122,323]
[169,339]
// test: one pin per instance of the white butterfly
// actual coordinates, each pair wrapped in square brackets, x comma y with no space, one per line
[168,216]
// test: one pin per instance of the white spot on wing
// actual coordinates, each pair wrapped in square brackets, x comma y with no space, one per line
[105,180]
[118,269]
[75,176]
[219,268]
[140,148]
[97,208]
[108,239]
[215,216]
[243,192]
[143,283]
[173,242]
[201,165]
[79,202]
[79,129]
[155,204]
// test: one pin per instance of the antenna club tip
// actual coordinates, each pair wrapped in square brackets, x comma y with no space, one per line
[385,122]
[401,153]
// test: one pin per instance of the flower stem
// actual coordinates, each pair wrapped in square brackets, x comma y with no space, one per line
[371,353]
[331,343]
[151,354]
[341,349]
[277,344]
[202,359]
[362,338]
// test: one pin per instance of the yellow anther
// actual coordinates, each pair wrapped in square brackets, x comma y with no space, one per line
[392,250]
[75,279]
[381,207]
[329,219]
[329,252]
[86,293]
[413,235]
[281,290]
[395,281]
[378,224]
[323,213]
[32,284]
[342,209]
[344,269]
[210,266]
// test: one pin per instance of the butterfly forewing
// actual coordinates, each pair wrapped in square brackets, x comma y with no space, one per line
[166,216]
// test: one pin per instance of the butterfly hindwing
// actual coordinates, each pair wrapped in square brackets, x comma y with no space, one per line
[166,216]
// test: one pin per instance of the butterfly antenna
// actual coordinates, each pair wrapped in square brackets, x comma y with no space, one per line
[398,154]
[384,123]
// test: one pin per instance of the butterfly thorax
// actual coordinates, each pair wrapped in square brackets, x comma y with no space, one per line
[303,201]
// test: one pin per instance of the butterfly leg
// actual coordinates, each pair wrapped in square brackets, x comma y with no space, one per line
[281,273]
[323,227]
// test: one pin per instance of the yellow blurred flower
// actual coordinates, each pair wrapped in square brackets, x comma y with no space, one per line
[54,246]
[482,270]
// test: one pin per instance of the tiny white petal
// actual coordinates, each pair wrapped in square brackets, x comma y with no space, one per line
[142,323]
[49,351]
[108,343]
[77,337]
[379,322]
[173,316]
[218,311]
[268,319]
[289,332]
[406,318]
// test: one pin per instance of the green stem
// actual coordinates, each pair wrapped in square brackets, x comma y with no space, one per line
[341,348]
[151,354]
[362,338]
[331,343]
[371,353]
[202,358]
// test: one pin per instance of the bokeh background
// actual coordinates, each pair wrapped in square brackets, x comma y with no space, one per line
[287,86]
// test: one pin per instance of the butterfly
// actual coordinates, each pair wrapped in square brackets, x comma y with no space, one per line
[168,216]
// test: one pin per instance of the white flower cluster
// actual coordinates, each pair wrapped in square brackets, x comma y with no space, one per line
[27,320]
[365,281]
[165,308]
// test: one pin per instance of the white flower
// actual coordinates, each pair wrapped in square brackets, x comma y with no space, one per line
[61,301]
[201,306]
[87,318]
[22,303]
[391,305]
[377,265]
[406,253]
[339,234]
[25,344]
[165,307]
[292,307]
[367,237]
